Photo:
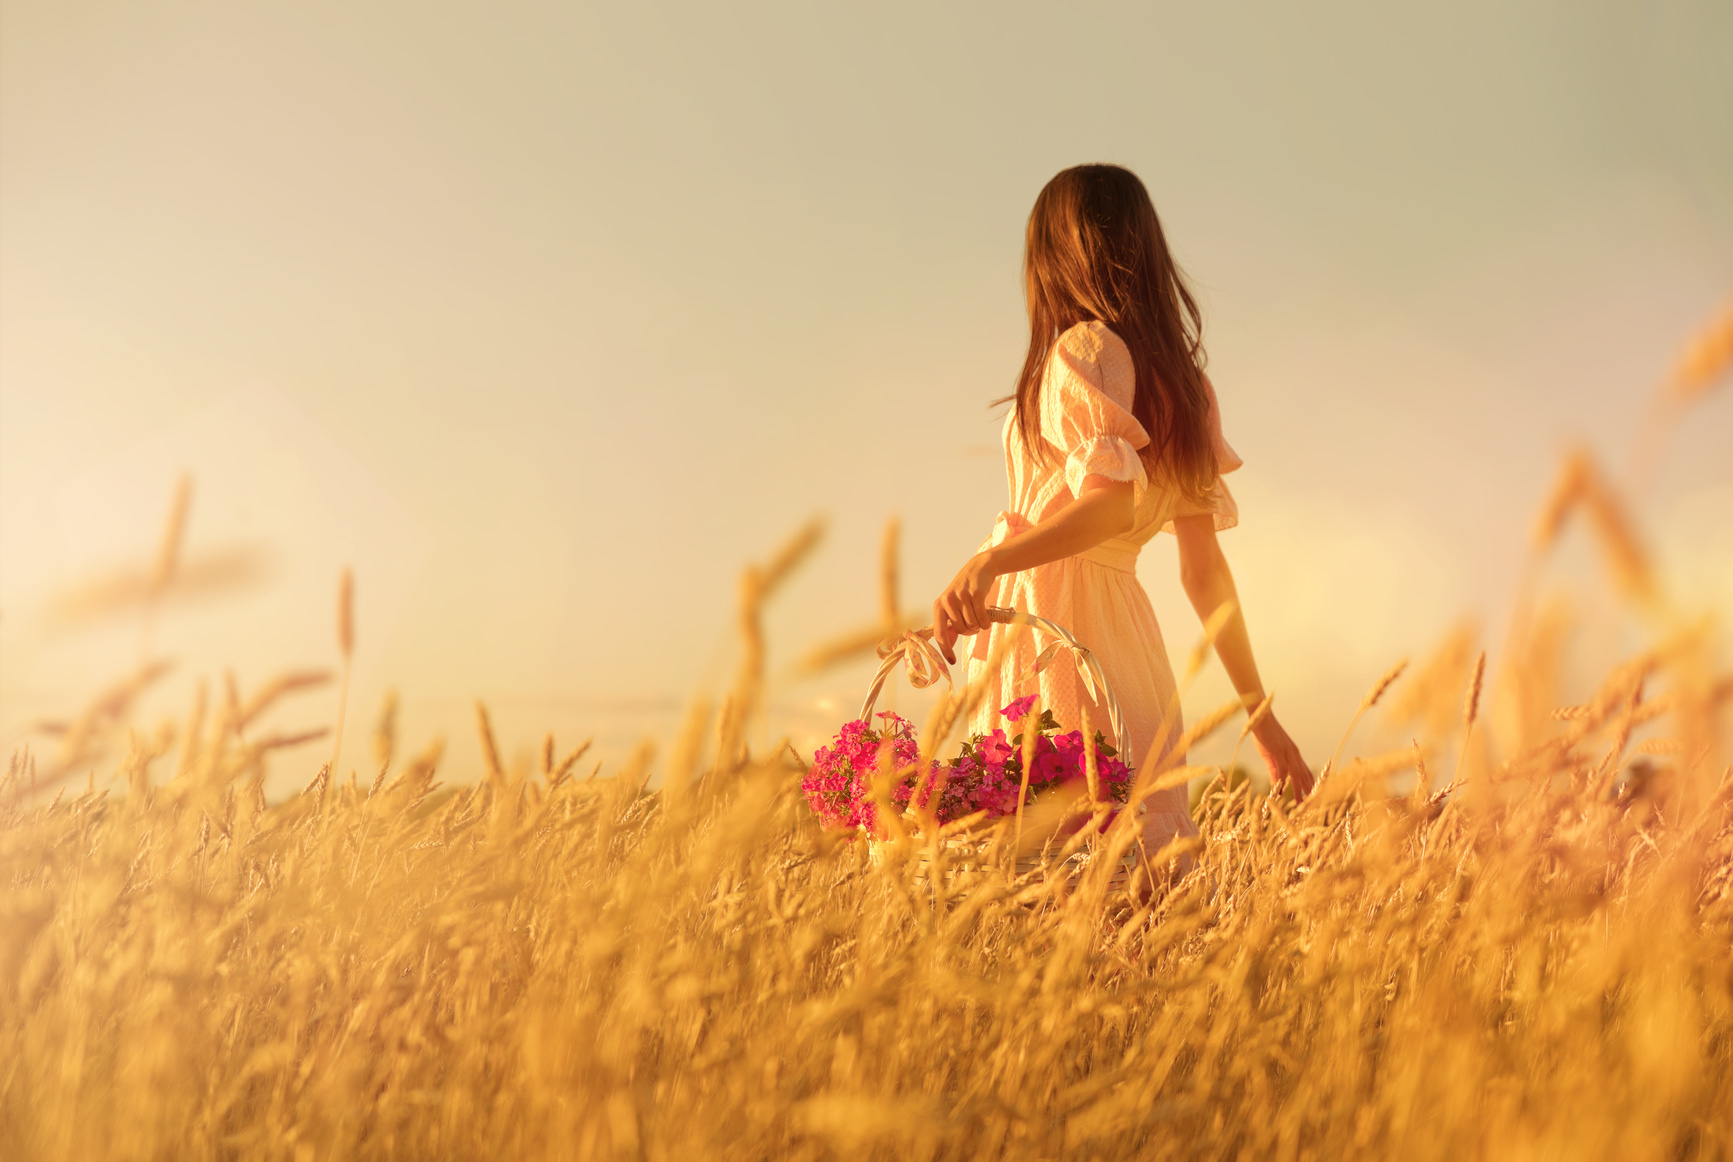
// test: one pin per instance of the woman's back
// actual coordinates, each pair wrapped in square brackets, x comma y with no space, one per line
[1115,434]
[1087,425]
[1087,422]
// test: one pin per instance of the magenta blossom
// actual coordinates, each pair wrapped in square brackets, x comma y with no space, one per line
[986,776]
[839,785]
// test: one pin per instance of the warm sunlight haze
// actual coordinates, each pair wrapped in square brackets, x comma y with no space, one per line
[457,463]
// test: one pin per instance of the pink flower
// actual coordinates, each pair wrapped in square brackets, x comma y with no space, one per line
[996,749]
[839,785]
[987,775]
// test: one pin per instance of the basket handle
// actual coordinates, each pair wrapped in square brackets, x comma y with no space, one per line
[925,665]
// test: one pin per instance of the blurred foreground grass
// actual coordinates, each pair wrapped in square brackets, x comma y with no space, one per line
[1530,958]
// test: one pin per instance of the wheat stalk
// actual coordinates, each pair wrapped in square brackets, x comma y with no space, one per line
[168,555]
[1470,711]
[571,968]
[345,647]
[491,764]
[1705,362]
[1368,702]
[279,687]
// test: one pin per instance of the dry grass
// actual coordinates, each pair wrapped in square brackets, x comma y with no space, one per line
[570,968]
[1535,966]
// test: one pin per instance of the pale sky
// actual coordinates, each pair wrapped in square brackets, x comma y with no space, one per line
[547,318]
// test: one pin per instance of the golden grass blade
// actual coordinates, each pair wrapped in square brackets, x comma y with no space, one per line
[858,642]
[1207,725]
[889,600]
[1471,704]
[1626,559]
[489,748]
[1030,739]
[1177,777]
[566,764]
[854,644]
[1368,702]
[1091,776]
[168,551]
[600,970]
[346,614]
[1258,714]
[290,682]
[209,572]
[1582,485]
[1211,628]
[794,550]
[757,584]
[1431,697]
[1470,711]
[1706,362]
[1567,492]
[284,741]
[684,762]
[1358,774]
[385,731]
[89,734]
[345,647]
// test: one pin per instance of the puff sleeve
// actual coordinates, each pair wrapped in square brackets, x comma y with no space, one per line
[1086,408]
[1219,501]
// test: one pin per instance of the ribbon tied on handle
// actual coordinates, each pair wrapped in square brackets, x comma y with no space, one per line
[920,657]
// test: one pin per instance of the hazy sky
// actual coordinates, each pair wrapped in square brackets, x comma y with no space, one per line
[549,317]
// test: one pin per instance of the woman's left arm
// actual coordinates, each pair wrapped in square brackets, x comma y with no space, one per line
[1105,508]
[1209,583]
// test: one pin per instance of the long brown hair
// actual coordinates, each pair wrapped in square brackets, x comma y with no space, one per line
[1095,251]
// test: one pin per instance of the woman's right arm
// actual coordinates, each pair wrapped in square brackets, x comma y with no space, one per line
[1209,583]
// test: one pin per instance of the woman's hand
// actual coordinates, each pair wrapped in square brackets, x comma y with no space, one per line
[961,609]
[1105,508]
[1282,757]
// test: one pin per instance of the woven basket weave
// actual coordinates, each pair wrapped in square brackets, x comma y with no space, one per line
[925,665]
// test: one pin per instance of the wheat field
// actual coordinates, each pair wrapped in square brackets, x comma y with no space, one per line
[1512,939]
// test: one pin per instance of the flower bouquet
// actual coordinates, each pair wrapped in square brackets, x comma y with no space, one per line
[985,779]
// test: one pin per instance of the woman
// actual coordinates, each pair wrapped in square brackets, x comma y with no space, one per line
[1115,435]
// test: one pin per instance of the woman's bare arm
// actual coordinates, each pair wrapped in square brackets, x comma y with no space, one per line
[1105,508]
[1209,583]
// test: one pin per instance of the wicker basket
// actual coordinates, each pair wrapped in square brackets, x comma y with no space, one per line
[965,856]
[921,658]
